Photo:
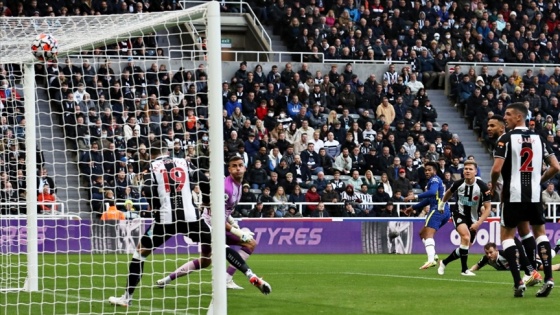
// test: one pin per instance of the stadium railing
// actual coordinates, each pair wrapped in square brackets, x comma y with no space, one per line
[398,205]
[60,207]
[493,67]
[244,7]
[552,214]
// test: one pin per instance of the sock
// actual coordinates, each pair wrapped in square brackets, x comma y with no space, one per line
[244,253]
[453,256]
[523,261]
[557,247]
[430,245]
[236,261]
[543,246]
[511,254]
[464,253]
[134,275]
[530,247]
[185,269]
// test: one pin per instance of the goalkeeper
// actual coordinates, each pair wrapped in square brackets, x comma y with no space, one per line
[168,192]
[234,235]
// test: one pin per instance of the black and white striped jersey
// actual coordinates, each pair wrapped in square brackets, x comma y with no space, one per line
[470,197]
[499,264]
[168,191]
[523,153]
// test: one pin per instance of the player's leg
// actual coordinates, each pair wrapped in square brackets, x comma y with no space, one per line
[188,267]
[537,220]
[532,276]
[511,217]
[246,250]
[154,237]
[434,221]
[427,235]
[199,232]
[528,242]
[461,252]
[545,254]
[236,261]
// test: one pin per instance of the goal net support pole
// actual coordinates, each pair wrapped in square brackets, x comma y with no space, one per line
[219,296]
[32,281]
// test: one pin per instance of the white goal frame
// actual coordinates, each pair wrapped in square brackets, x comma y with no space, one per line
[84,33]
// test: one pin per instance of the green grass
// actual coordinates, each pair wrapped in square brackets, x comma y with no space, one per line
[302,284]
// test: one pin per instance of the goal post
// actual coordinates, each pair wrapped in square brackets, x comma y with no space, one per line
[32,280]
[219,301]
[70,261]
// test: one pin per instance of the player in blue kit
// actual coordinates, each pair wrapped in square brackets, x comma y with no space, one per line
[434,219]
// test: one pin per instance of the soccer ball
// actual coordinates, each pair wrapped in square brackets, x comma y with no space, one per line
[45,47]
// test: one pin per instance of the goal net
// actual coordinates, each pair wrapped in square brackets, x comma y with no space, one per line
[76,133]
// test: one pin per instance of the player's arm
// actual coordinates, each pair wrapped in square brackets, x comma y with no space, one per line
[481,263]
[430,192]
[421,204]
[499,157]
[244,235]
[553,168]
[486,205]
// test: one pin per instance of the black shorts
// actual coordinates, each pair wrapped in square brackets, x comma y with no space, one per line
[463,219]
[159,233]
[514,213]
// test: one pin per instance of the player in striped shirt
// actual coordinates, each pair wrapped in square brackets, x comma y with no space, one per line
[168,192]
[234,235]
[496,128]
[435,219]
[495,258]
[471,194]
[519,158]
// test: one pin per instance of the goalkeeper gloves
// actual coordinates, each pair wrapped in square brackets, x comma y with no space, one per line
[244,235]
[441,207]
[232,222]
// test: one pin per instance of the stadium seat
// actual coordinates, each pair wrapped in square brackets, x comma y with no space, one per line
[377,178]
[313,177]
[255,191]
[345,177]
[354,116]
[329,177]
[417,191]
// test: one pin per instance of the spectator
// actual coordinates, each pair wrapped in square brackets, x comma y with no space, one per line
[112,213]
[320,211]
[402,183]
[281,198]
[311,196]
[343,162]
[246,197]
[550,196]
[388,210]
[259,211]
[292,212]
[46,200]
[10,198]
[257,176]
[457,148]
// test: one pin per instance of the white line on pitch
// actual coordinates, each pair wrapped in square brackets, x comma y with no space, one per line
[86,300]
[388,276]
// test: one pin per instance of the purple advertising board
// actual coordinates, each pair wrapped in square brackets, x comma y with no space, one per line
[53,236]
[275,236]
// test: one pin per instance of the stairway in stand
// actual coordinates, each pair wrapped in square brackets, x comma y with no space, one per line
[447,113]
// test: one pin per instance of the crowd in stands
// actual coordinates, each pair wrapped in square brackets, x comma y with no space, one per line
[313,137]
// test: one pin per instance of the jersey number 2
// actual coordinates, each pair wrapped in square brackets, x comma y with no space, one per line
[178,178]
[528,154]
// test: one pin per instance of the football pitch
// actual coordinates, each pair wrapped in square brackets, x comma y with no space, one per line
[301,284]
